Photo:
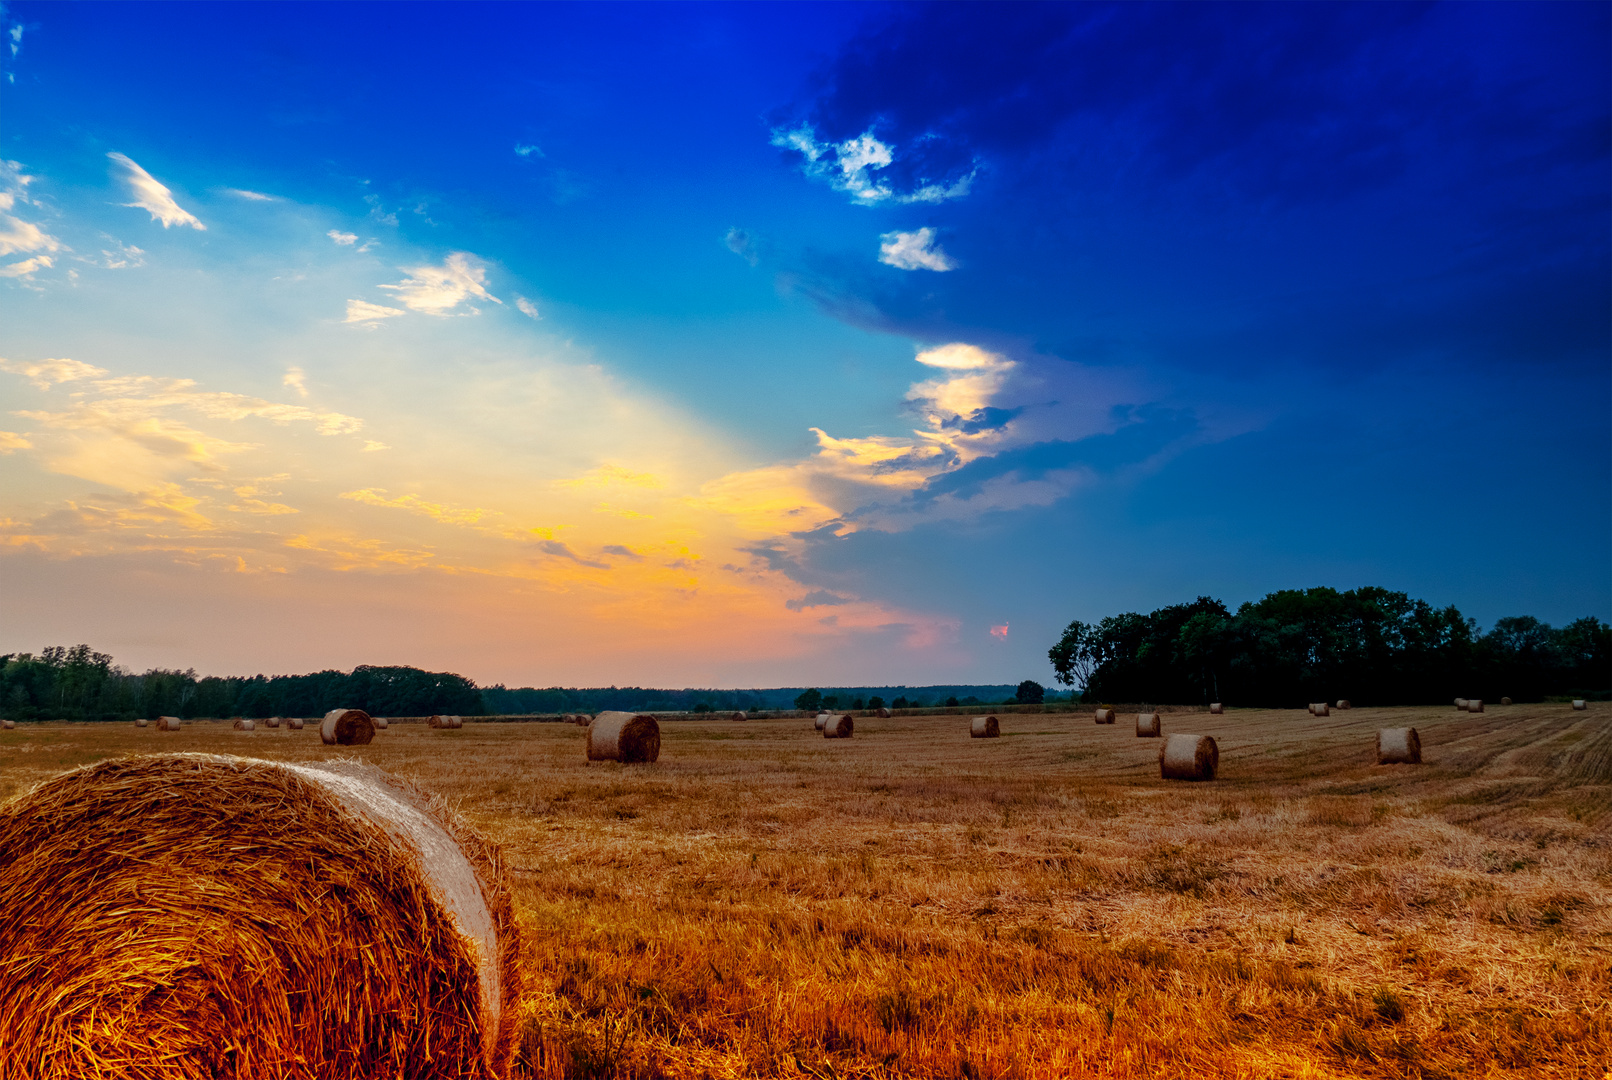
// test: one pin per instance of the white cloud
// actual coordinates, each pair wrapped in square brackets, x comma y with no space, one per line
[530,151]
[10,440]
[371,445]
[362,311]
[294,379]
[18,236]
[44,373]
[526,307]
[253,196]
[150,195]
[125,257]
[743,245]
[26,268]
[436,290]
[914,251]
[850,167]
[345,239]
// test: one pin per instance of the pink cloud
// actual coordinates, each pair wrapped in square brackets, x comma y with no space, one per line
[1000,631]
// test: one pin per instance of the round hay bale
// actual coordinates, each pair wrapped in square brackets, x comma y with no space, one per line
[446,723]
[1216,708]
[375,939]
[1474,705]
[738,716]
[984,727]
[1189,757]
[295,723]
[623,736]
[583,719]
[380,722]
[273,722]
[1105,716]
[1460,703]
[142,722]
[1505,701]
[1343,704]
[167,723]
[882,714]
[838,727]
[1147,725]
[1320,709]
[346,727]
[8,725]
[1579,704]
[242,724]
[1399,746]
[822,718]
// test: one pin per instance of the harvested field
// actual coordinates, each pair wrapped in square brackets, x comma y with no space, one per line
[764,902]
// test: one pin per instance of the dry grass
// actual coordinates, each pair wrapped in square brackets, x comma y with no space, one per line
[764,902]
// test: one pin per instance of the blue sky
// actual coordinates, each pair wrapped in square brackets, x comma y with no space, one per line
[761,345]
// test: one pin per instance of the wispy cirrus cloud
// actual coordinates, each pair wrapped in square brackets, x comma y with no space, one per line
[914,251]
[527,308]
[26,268]
[448,515]
[251,196]
[365,313]
[436,290]
[152,196]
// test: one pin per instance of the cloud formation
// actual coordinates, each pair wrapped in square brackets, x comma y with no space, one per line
[152,196]
[914,251]
[743,245]
[26,268]
[343,239]
[366,313]
[436,290]
[858,166]
[527,308]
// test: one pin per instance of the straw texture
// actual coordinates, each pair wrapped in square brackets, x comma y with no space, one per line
[1147,725]
[346,727]
[838,727]
[984,727]
[623,736]
[1105,716]
[375,938]
[1399,746]
[1189,757]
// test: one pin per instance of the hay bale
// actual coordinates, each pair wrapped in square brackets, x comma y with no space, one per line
[380,722]
[142,722]
[376,938]
[1579,704]
[1319,708]
[1399,746]
[984,727]
[1189,757]
[623,736]
[273,722]
[243,724]
[295,723]
[346,727]
[583,719]
[738,716]
[1460,703]
[167,723]
[838,727]
[1147,725]
[1474,705]
[882,714]
[1343,704]
[8,725]
[822,718]
[1505,701]
[1105,716]
[446,723]
[1216,708]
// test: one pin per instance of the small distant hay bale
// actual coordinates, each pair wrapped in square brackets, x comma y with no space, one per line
[377,938]
[1505,701]
[380,722]
[8,725]
[346,727]
[984,727]
[1343,703]
[738,716]
[273,721]
[583,719]
[822,718]
[242,724]
[1147,725]
[1399,746]
[142,722]
[1579,704]
[630,738]
[882,714]
[446,723]
[1474,705]
[167,723]
[1319,708]
[1216,708]
[1460,703]
[838,727]
[295,723]
[1189,757]
[1105,716]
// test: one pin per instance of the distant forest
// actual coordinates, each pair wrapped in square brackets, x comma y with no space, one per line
[79,683]
[1372,646]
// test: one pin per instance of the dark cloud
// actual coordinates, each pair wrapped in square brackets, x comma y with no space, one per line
[555,548]
[816,598]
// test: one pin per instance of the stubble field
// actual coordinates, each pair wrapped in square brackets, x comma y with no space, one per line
[911,902]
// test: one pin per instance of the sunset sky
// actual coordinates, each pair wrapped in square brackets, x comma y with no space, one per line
[788,345]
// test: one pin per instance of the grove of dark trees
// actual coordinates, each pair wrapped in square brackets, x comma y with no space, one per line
[1372,646]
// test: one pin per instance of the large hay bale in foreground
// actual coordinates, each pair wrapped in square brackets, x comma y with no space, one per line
[623,736]
[1147,725]
[1579,705]
[1399,746]
[346,727]
[445,723]
[243,724]
[167,723]
[374,939]
[838,727]
[984,727]
[1105,716]
[1216,708]
[295,723]
[1189,757]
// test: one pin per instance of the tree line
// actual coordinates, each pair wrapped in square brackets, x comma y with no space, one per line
[1371,645]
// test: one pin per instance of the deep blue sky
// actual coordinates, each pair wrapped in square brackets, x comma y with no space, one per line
[1238,298]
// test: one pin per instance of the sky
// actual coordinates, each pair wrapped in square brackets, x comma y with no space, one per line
[760,345]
